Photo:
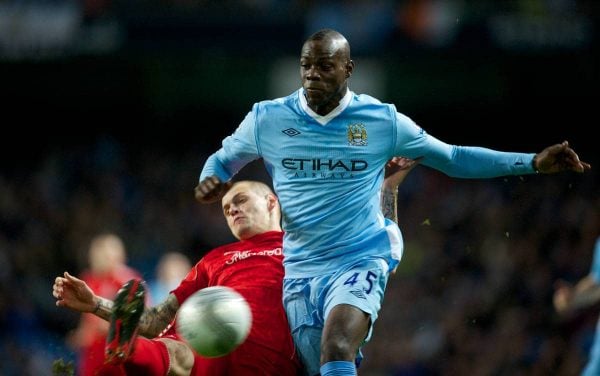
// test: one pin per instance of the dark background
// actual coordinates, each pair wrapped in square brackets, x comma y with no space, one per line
[109,109]
[186,73]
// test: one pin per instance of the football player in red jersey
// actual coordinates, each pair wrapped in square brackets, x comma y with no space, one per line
[252,266]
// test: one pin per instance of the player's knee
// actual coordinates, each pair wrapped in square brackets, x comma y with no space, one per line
[337,349]
[181,358]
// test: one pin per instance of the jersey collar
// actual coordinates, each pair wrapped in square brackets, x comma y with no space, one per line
[324,119]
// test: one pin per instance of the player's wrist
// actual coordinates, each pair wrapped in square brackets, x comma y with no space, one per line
[534,164]
[96,307]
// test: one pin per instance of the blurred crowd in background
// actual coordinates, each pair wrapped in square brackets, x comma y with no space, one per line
[47,29]
[115,106]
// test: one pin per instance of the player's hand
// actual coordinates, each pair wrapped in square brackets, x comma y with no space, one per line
[396,170]
[211,190]
[563,294]
[72,292]
[559,157]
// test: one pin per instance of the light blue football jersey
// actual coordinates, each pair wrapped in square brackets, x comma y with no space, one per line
[327,172]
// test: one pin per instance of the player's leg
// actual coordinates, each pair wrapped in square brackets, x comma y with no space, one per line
[138,355]
[345,330]
[149,358]
[180,355]
[305,323]
[350,307]
[127,310]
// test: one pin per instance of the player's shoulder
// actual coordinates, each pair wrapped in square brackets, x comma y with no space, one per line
[289,101]
[370,103]
[367,104]
[375,104]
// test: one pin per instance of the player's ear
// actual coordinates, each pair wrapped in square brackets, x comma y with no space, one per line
[349,68]
[271,201]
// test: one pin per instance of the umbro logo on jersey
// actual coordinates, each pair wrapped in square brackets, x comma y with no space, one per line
[291,132]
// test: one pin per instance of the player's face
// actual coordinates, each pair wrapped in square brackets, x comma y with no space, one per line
[324,68]
[246,210]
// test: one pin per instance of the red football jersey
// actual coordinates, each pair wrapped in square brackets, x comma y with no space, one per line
[254,268]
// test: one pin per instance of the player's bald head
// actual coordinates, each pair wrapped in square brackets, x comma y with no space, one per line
[336,42]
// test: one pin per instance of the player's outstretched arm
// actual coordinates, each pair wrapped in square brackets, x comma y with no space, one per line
[395,171]
[557,158]
[71,292]
[210,190]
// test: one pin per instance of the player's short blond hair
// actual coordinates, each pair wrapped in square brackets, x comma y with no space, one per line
[261,189]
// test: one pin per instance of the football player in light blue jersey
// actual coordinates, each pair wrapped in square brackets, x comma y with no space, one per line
[569,299]
[325,148]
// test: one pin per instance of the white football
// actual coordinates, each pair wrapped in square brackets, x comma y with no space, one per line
[214,321]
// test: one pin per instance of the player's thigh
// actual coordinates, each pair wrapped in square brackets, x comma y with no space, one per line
[362,287]
[305,322]
[181,357]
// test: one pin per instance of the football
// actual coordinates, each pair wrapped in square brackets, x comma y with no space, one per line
[214,321]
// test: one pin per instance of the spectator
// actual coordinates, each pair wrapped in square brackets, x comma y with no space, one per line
[171,269]
[106,273]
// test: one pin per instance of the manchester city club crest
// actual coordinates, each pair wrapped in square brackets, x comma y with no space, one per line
[357,135]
